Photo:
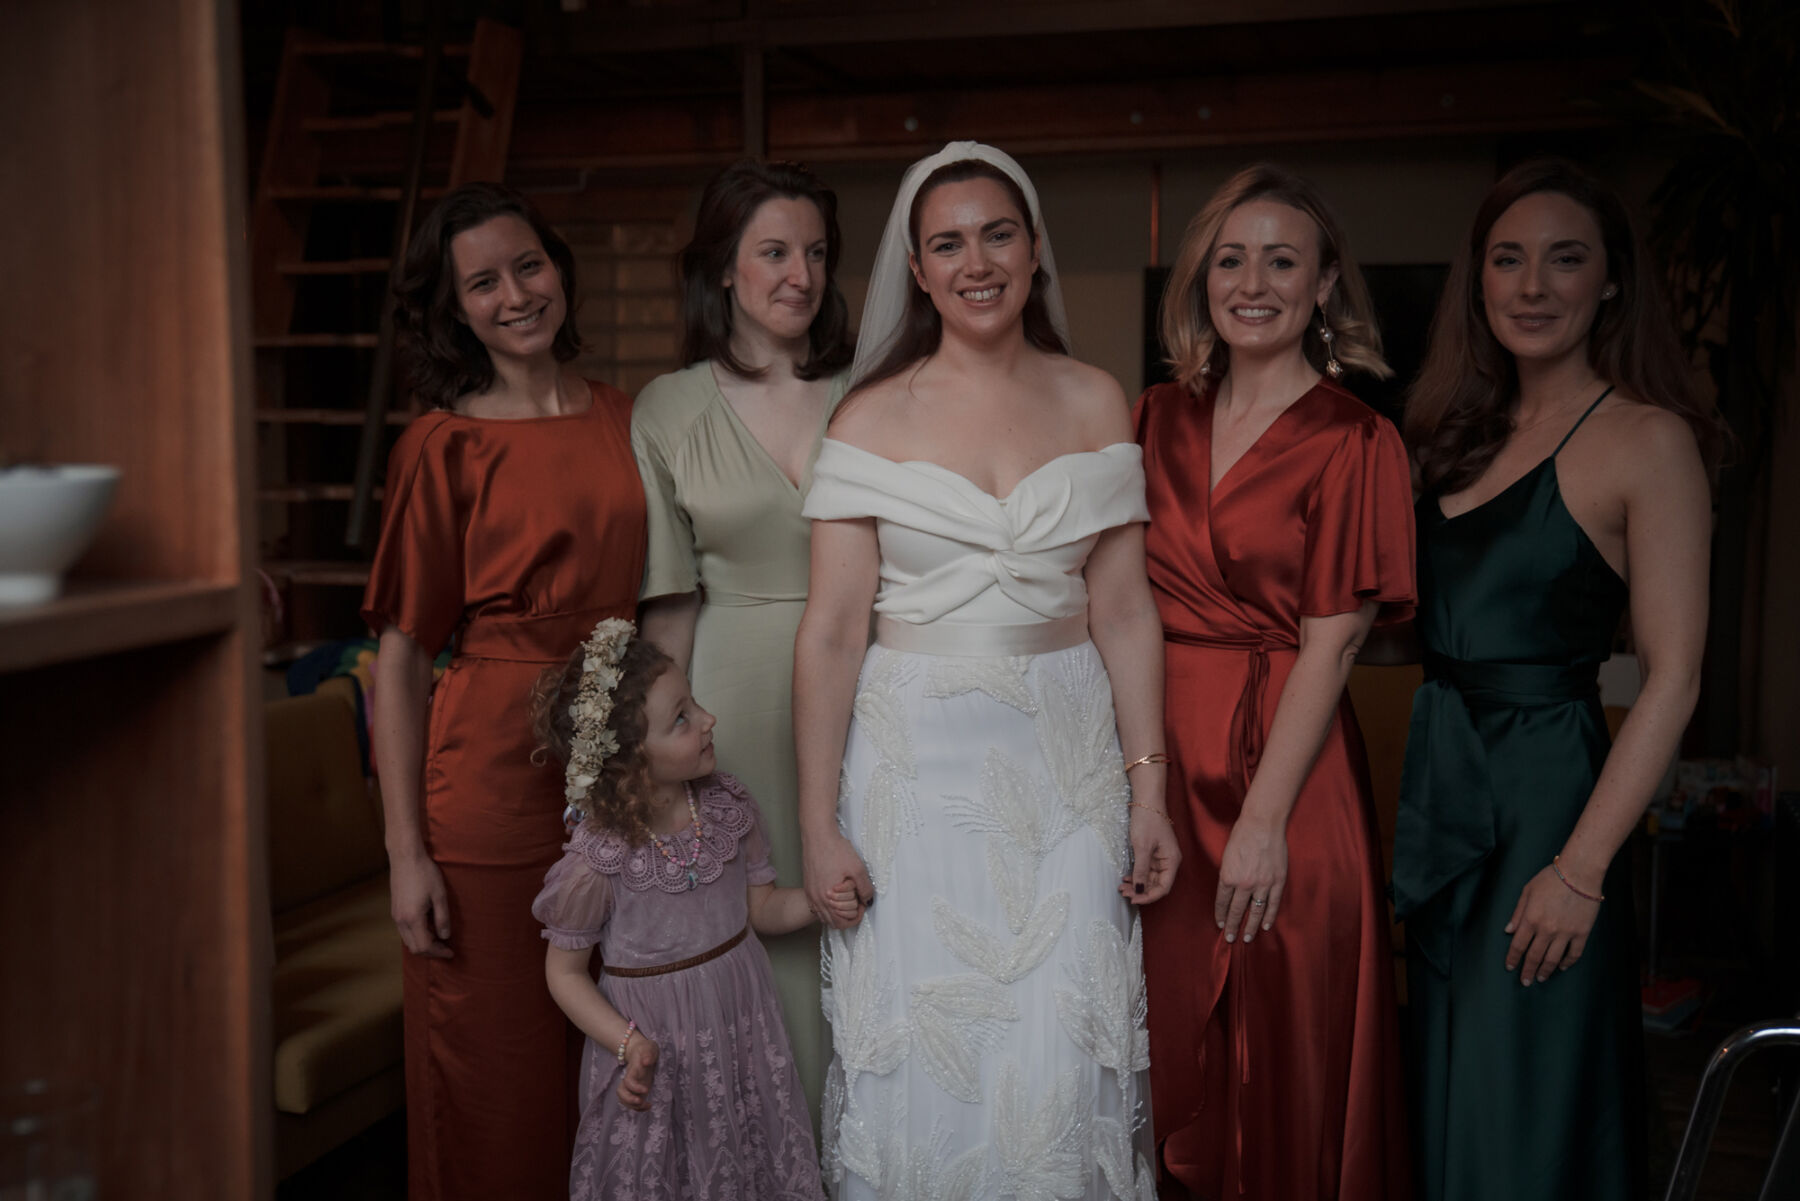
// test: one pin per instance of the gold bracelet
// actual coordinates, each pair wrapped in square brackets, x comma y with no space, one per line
[1151,809]
[1152,757]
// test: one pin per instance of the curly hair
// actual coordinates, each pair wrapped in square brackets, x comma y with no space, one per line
[1459,411]
[620,800]
[1194,348]
[444,358]
[727,206]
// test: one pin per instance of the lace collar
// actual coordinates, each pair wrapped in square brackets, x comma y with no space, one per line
[726,816]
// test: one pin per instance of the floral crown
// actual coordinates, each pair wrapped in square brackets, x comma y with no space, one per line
[591,742]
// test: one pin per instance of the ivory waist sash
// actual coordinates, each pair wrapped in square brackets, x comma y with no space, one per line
[982,641]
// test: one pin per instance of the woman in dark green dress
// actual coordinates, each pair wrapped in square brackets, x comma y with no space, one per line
[1560,455]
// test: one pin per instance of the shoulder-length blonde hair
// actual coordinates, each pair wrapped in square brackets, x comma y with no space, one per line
[1195,350]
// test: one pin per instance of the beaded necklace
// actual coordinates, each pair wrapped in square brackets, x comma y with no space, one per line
[693,877]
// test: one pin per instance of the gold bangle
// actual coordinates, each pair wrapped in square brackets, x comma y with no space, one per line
[1152,757]
[1151,809]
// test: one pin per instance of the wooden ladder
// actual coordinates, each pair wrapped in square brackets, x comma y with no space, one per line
[332,201]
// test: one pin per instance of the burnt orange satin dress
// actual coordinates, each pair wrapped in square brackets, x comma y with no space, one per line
[1275,1064]
[515,537]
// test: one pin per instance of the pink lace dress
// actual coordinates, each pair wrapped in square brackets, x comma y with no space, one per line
[727,1118]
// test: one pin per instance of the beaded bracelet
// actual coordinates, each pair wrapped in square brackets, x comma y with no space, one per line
[1556,866]
[1152,757]
[630,1029]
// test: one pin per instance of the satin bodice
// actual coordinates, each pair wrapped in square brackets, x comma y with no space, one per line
[1515,580]
[953,552]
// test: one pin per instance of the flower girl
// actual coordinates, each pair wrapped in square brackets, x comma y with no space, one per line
[688,1087]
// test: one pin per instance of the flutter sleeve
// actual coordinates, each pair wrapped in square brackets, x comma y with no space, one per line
[1359,528]
[759,867]
[575,903]
[670,566]
[416,580]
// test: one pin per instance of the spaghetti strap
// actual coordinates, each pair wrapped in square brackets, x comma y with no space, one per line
[1580,419]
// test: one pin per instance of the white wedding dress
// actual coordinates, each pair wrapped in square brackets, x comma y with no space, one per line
[988,1013]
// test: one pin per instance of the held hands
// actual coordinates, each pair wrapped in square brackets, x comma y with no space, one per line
[1549,927]
[420,905]
[831,863]
[640,1071]
[1252,874]
[1154,856]
[842,906]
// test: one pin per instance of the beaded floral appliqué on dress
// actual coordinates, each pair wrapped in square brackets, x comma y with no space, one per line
[1046,1139]
[988,1036]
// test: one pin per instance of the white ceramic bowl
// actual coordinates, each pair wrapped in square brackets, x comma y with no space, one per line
[48,516]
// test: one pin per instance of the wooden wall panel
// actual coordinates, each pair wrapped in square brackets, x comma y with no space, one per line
[133,899]
[130,938]
[123,208]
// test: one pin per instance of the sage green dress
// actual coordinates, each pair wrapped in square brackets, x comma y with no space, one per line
[1517,1092]
[724,519]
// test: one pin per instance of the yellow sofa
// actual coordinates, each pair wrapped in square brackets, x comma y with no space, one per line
[336,988]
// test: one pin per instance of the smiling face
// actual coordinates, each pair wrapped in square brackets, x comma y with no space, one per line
[678,742]
[1264,280]
[509,292]
[1543,276]
[976,257]
[778,279]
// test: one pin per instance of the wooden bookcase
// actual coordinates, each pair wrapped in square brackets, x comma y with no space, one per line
[133,899]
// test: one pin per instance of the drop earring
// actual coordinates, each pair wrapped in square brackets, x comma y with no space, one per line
[1333,368]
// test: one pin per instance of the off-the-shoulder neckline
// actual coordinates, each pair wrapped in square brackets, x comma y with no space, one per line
[959,476]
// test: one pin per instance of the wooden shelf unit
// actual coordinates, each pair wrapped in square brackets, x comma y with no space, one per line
[133,890]
[103,618]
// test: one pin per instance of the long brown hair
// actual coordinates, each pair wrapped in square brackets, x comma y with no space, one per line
[1194,347]
[921,329]
[726,207]
[444,358]
[619,801]
[1459,412]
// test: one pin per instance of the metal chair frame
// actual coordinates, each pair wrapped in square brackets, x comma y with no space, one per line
[1782,1180]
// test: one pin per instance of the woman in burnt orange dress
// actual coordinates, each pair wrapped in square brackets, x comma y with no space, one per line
[1280,529]
[514,522]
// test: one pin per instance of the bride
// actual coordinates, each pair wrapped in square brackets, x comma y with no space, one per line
[981,493]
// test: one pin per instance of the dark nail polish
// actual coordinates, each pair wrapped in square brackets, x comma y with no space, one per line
[1138,888]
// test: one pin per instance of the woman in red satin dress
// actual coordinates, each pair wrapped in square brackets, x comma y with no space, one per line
[514,521]
[1280,528]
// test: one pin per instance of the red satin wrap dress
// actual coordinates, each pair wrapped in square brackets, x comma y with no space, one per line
[1275,1064]
[516,537]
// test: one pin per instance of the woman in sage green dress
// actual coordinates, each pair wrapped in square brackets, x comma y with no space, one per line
[1561,459]
[726,447]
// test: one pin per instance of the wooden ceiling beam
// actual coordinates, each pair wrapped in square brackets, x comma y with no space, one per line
[1343,105]
[609,30]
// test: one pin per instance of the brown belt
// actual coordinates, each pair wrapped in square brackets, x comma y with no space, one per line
[680,965]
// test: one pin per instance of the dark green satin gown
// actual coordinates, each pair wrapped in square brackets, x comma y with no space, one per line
[1517,1092]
